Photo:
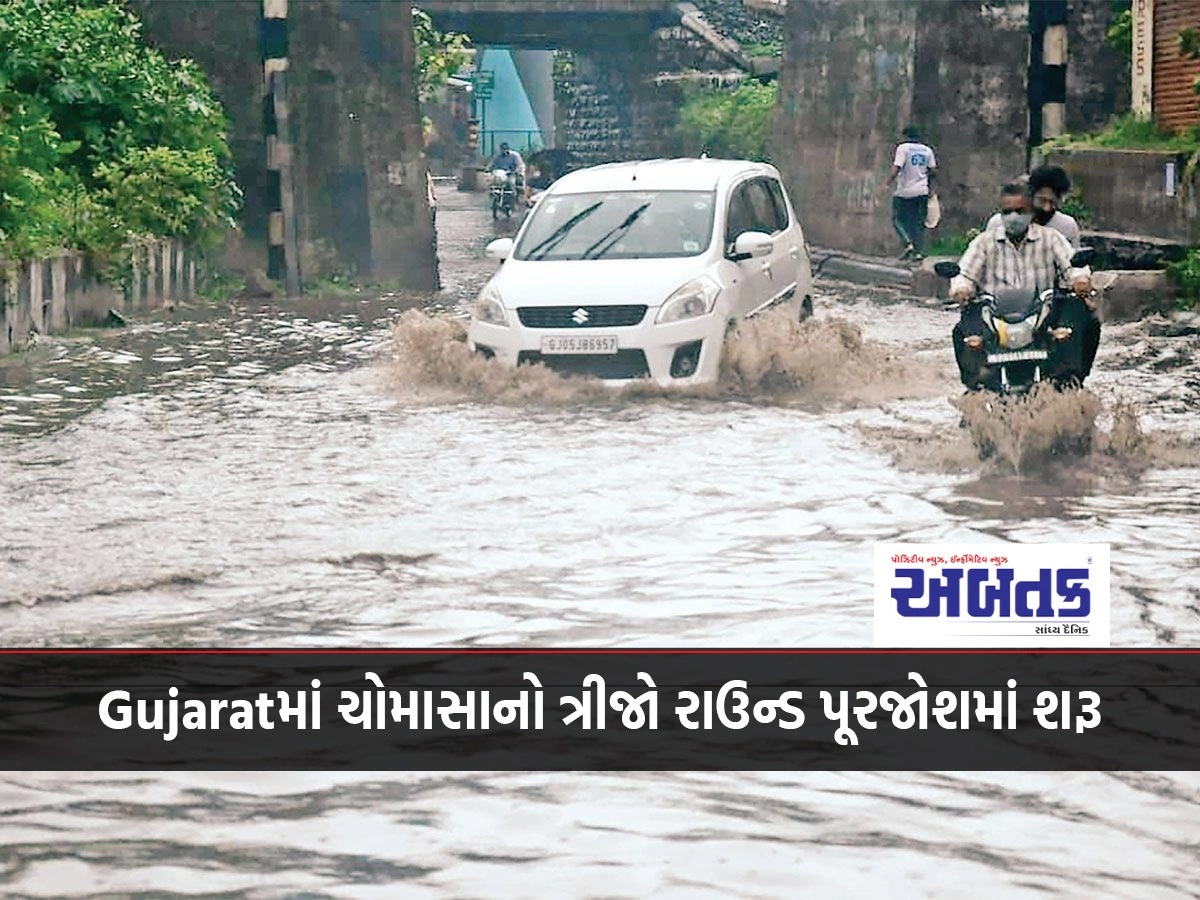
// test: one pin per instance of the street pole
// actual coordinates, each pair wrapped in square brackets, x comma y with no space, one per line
[483,132]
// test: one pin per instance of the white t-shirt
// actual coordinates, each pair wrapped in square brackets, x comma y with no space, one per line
[1060,222]
[914,161]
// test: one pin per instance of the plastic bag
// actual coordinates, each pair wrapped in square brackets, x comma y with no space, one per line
[933,212]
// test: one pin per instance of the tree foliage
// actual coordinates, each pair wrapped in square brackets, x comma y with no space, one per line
[734,124]
[1120,28]
[102,139]
[439,55]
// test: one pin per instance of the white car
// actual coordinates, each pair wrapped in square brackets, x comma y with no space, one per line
[638,270]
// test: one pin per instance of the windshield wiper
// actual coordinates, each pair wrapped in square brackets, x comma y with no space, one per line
[615,234]
[556,236]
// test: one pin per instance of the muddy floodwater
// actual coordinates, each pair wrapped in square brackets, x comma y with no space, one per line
[336,472]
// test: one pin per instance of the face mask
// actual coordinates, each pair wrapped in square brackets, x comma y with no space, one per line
[1015,223]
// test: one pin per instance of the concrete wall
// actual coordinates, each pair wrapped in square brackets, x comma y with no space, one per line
[1126,191]
[856,71]
[359,166]
[51,296]
[359,163]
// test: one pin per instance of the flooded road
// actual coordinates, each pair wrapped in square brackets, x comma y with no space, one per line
[312,473]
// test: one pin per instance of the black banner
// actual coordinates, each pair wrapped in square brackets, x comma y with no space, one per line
[600,710]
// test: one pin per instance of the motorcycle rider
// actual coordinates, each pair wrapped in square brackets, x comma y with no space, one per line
[1019,253]
[509,160]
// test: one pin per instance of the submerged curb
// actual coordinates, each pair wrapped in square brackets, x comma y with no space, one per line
[842,266]
[1136,295]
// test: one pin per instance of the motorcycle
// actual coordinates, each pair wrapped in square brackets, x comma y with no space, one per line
[504,193]
[1029,339]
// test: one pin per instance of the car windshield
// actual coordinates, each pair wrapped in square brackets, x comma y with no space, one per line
[619,225]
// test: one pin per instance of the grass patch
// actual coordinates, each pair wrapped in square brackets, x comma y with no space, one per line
[730,123]
[1186,275]
[1127,132]
[763,50]
[951,244]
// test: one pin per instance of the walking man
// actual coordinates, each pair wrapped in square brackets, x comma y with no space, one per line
[913,170]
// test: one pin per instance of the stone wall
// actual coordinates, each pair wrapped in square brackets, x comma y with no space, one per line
[51,296]
[856,71]
[746,26]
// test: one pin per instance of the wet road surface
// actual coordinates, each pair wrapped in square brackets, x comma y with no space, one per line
[309,473]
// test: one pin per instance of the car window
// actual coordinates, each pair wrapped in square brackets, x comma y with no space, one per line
[741,215]
[763,206]
[618,225]
[781,211]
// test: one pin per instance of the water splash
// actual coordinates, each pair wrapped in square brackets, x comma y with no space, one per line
[773,358]
[1045,433]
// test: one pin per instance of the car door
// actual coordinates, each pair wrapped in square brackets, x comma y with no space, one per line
[790,263]
[753,282]
[771,218]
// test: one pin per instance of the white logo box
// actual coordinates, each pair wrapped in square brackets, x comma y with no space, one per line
[1020,596]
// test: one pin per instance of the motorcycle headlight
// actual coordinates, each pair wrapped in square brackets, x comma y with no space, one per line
[489,307]
[696,298]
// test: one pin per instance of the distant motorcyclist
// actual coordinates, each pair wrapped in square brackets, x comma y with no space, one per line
[1018,253]
[509,160]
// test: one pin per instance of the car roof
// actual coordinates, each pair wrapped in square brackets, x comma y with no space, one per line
[659,175]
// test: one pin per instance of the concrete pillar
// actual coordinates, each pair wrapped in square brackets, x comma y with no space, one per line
[1047,74]
[1054,58]
[360,192]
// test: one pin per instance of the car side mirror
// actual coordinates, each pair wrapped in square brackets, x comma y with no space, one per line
[499,249]
[751,244]
[946,269]
[1083,257]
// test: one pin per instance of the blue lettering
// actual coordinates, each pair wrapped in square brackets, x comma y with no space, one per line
[918,159]
[984,600]
[948,589]
[1071,588]
[1042,588]
[942,596]
[905,596]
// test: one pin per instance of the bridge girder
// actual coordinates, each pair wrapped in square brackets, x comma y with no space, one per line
[545,25]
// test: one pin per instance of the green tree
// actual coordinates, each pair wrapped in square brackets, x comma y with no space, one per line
[1120,28]
[439,55]
[88,107]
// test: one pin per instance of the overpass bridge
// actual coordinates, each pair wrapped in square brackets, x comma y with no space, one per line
[326,137]
[552,24]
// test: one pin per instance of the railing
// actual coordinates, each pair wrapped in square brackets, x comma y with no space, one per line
[524,142]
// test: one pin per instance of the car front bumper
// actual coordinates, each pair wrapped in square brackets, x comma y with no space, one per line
[660,353]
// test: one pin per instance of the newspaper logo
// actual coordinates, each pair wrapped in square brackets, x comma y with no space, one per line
[992,595]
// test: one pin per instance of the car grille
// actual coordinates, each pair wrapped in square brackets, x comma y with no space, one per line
[619,365]
[564,316]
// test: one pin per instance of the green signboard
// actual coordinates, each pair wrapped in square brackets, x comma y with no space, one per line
[484,82]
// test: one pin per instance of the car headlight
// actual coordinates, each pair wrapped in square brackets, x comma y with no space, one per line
[696,298]
[489,308]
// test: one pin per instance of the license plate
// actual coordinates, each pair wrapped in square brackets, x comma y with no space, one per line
[1018,356]
[598,344]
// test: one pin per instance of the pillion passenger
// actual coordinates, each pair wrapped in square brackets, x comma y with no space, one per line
[1019,254]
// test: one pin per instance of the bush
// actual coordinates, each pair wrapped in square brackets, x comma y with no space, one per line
[730,123]
[1186,275]
[101,137]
